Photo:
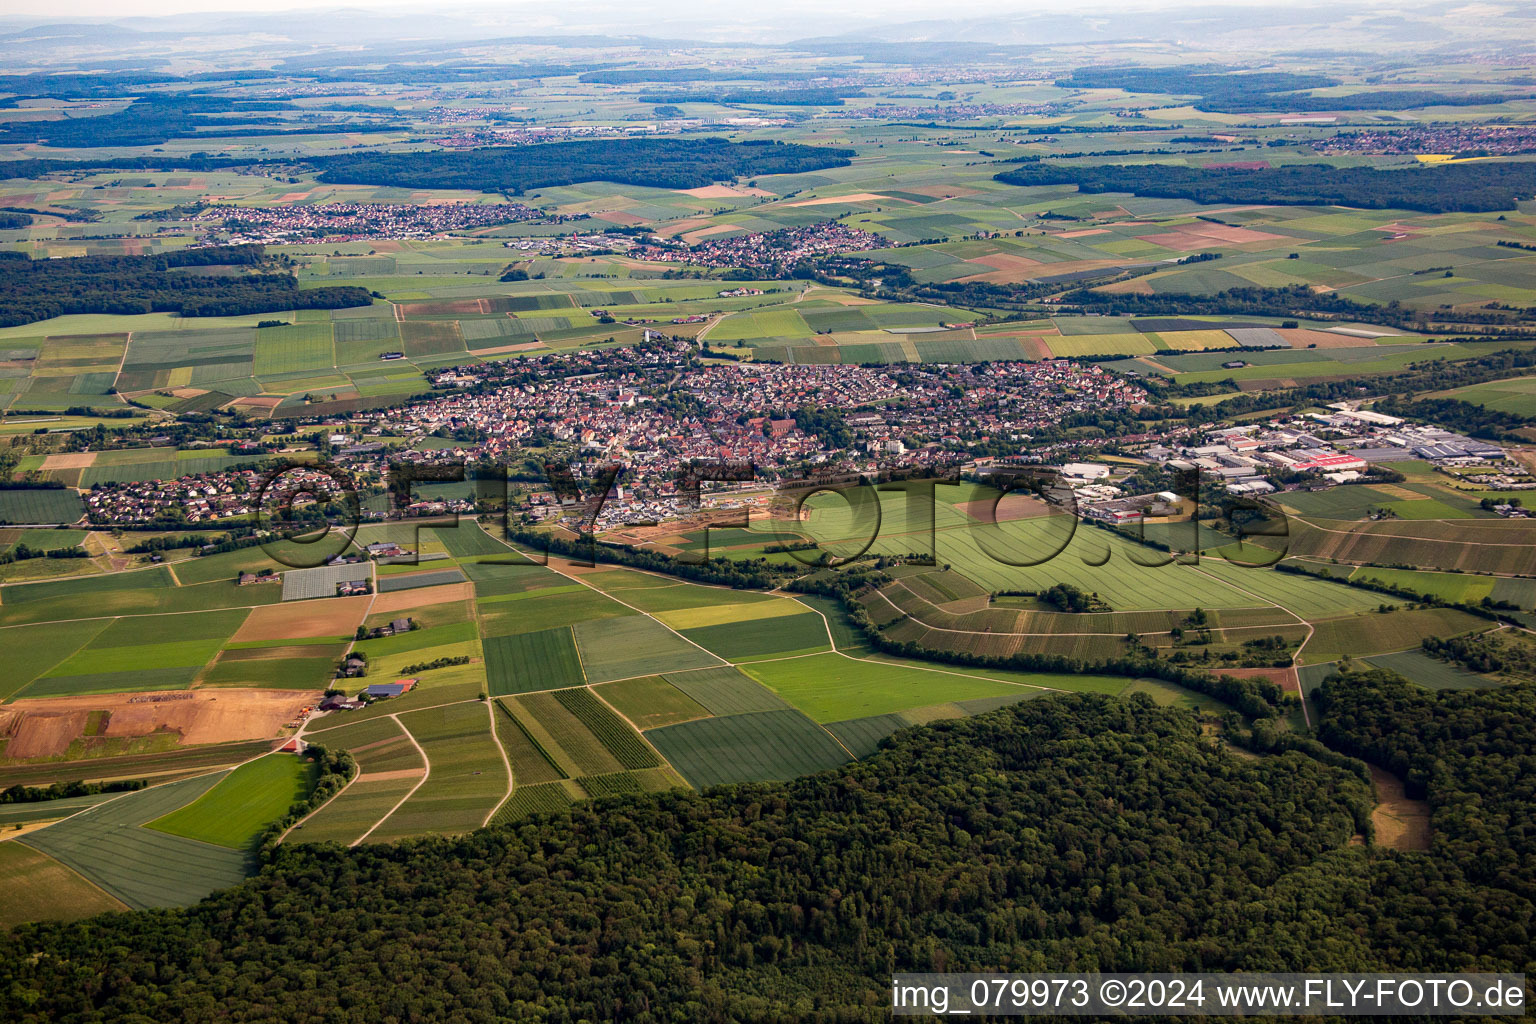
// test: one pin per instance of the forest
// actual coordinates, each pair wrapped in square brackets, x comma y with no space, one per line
[1472,187]
[1470,753]
[658,163]
[1254,92]
[33,290]
[158,118]
[1073,832]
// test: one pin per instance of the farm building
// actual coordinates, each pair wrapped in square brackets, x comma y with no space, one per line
[383,691]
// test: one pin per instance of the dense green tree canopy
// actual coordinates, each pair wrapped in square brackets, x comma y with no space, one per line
[1484,185]
[659,163]
[40,289]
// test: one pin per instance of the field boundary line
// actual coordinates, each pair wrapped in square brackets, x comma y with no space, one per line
[968,675]
[407,711]
[641,611]
[1301,693]
[506,761]
[426,764]
[638,731]
[826,623]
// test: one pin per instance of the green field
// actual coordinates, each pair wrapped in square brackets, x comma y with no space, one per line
[614,734]
[35,887]
[748,748]
[236,811]
[651,701]
[547,608]
[33,650]
[347,817]
[523,662]
[566,737]
[832,688]
[40,505]
[295,349]
[143,867]
[1382,634]
[1457,587]
[726,691]
[635,645]
[466,778]
[467,540]
[758,638]
[1430,672]
[532,763]
[546,798]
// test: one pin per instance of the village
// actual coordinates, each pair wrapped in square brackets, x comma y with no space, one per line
[769,252]
[350,222]
[654,409]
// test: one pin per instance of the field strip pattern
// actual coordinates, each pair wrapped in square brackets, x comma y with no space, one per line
[108,845]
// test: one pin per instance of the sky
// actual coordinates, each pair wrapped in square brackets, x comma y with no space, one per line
[541,15]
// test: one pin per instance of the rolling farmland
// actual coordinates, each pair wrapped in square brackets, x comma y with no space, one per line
[597,324]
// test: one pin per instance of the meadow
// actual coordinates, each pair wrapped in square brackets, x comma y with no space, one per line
[235,812]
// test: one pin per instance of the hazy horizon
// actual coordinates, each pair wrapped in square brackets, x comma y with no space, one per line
[540,17]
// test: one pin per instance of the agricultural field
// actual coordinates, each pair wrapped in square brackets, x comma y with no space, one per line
[234,813]
[35,887]
[748,747]
[1383,634]
[466,777]
[40,505]
[651,701]
[637,645]
[542,660]
[832,687]
[109,845]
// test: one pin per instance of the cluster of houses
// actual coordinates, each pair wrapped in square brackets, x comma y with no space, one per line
[204,497]
[769,252]
[347,222]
